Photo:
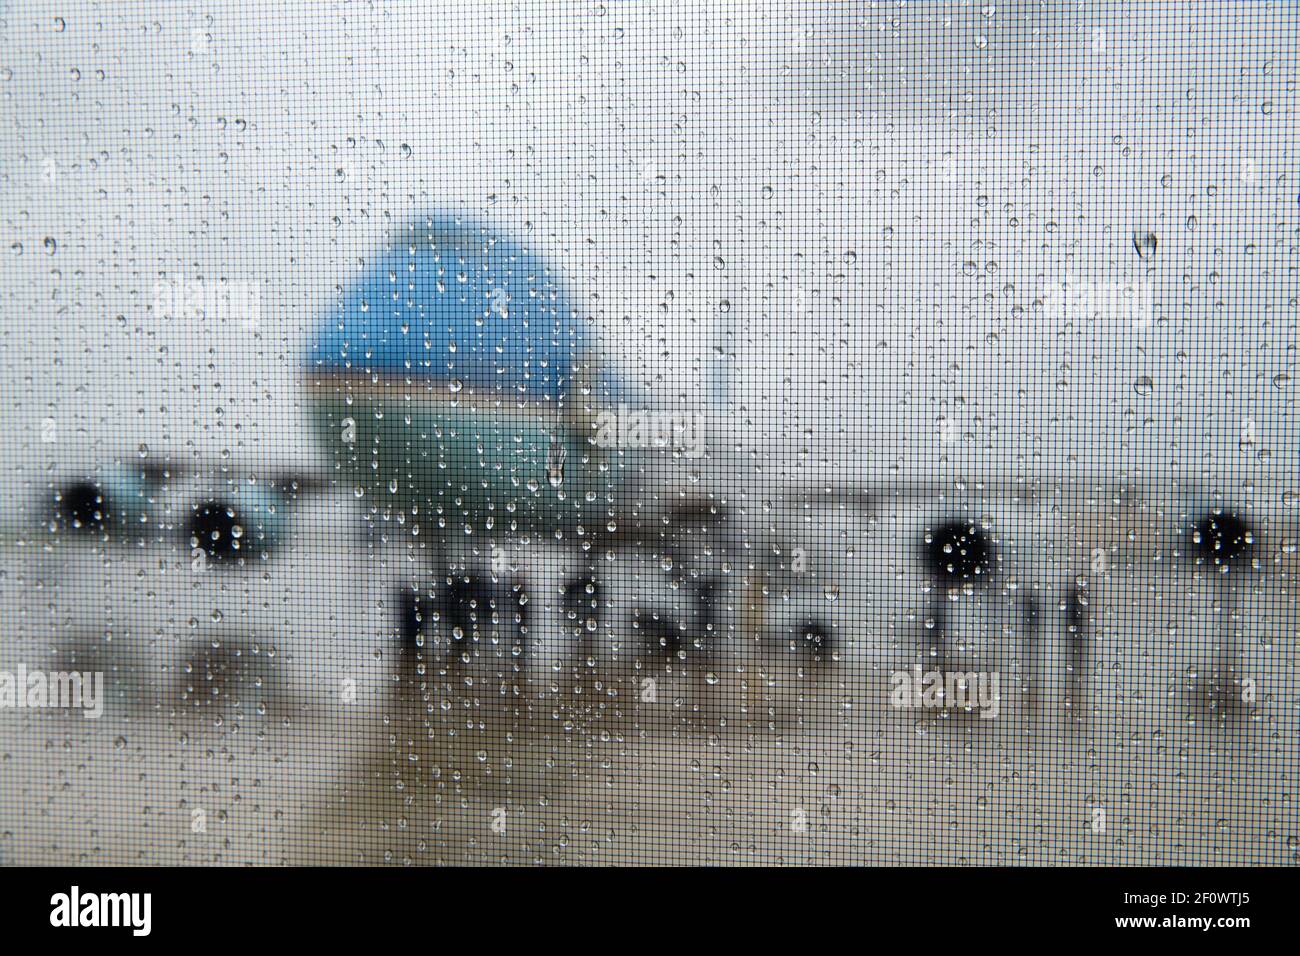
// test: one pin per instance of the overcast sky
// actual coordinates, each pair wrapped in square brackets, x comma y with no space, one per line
[872,208]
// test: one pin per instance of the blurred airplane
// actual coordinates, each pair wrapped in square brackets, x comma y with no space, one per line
[519,583]
[470,578]
[459,399]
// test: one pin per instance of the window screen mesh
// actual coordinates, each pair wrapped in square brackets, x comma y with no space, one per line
[625,433]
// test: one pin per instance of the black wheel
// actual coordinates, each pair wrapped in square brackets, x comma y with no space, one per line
[957,551]
[83,506]
[212,527]
[1222,538]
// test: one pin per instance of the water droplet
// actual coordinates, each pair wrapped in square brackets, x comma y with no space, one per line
[1143,385]
[555,457]
[51,246]
[1145,244]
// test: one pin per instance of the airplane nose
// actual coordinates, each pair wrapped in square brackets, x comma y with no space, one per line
[1222,538]
[957,551]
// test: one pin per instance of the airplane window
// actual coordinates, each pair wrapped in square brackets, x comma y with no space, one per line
[666,433]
